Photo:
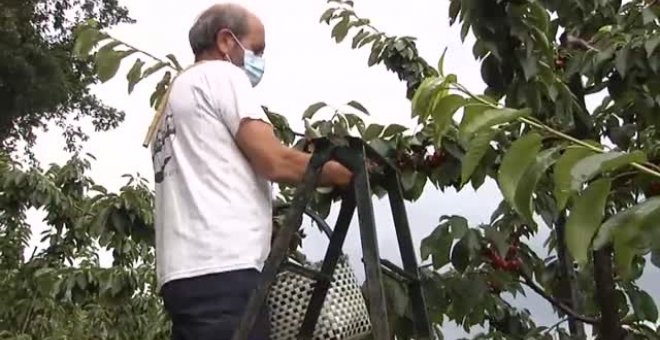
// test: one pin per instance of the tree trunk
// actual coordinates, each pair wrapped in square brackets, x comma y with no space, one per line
[568,290]
[610,324]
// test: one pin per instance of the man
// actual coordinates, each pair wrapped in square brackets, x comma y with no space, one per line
[214,156]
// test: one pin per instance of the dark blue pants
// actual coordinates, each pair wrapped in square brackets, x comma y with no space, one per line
[210,307]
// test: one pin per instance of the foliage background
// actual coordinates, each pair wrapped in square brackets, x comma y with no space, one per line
[340,75]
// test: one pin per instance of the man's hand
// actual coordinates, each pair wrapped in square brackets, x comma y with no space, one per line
[338,174]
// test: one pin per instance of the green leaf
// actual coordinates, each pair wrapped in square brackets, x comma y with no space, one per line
[588,167]
[515,162]
[86,39]
[648,15]
[498,238]
[523,202]
[465,29]
[623,255]
[134,75]
[374,56]
[470,293]
[649,307]
[408,179]
[354,120]
[161,88]
[441,63]
[107,63]
[416,191]
[443,112]
[631,220]
[454,9]
[341,29]
[153,69]
[651,44]
[310,131]
[530,66]
[562,173]
[643,305]
[358,38]
[425,93]
[475,152]
[358,107]
[382,147]
[585,218]
[340,126]
[470,112]
[621,61]
[327,15]
[312,109]
[627,230]
[490,118]
[460,256]
[540,15]
[372,131]
[459,226]
[393,129]
[437,245]
[174,61]
[371,38]
[42,271]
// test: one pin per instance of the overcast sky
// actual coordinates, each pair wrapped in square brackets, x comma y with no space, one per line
[303,66]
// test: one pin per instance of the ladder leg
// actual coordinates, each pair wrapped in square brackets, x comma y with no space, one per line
[329,264]
[408,257]
[280,248]
[368,236]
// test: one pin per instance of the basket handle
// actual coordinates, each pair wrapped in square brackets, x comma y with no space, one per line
[320,222]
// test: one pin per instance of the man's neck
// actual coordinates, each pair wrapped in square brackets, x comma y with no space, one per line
[209,56]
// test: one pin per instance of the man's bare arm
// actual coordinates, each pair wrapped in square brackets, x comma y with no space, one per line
[279,163]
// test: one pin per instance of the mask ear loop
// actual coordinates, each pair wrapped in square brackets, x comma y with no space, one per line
[237,41]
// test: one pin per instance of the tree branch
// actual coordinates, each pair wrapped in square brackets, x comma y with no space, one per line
[556,325]
[558,304]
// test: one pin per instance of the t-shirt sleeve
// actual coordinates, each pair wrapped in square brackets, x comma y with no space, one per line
[235,98]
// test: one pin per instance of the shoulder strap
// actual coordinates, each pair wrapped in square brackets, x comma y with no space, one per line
[158,115]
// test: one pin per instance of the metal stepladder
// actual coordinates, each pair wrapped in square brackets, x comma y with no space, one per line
[352,153]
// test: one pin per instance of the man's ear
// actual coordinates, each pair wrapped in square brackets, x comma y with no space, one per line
[225,42]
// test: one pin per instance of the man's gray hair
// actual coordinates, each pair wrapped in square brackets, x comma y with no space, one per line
[202,34]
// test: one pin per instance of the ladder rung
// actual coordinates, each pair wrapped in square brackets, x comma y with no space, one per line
[411,278]
[306,272]
[400,272]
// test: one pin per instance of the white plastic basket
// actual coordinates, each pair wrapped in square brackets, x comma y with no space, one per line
[344,314]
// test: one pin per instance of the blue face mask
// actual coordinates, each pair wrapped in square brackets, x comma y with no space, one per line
[253,65]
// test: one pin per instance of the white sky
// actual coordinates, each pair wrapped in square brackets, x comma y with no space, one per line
[303,66]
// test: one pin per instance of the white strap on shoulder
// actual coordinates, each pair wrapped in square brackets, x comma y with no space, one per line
[158,116]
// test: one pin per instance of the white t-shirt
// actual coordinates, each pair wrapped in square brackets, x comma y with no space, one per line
[213,212]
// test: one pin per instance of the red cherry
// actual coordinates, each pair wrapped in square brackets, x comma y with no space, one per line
[514,265]
[512,251]
[500,263]
[654,188]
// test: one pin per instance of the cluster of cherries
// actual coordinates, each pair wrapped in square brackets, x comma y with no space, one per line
[510,262]
[560,62]
[419,159]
